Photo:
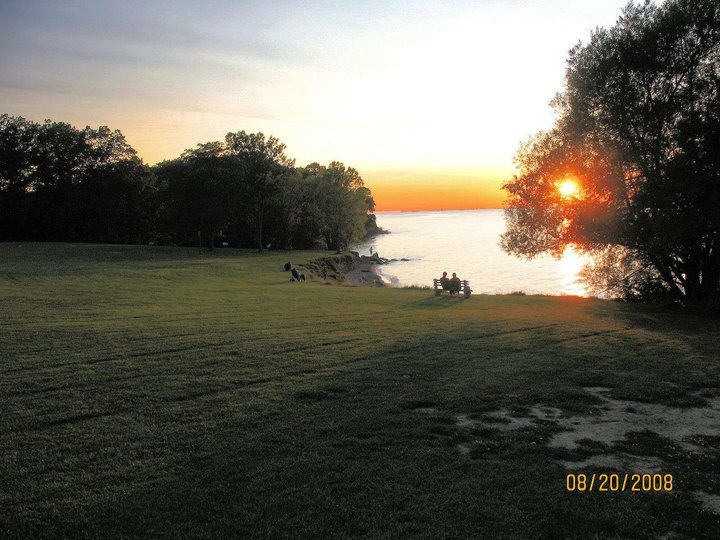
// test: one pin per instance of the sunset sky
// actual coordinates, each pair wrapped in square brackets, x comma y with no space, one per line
[428,100]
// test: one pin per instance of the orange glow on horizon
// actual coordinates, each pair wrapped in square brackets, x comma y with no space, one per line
[423,190]
[409,198]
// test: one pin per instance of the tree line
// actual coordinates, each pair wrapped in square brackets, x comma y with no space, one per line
[59,183]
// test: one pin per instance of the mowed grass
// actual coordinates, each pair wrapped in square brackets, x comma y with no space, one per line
[172,392]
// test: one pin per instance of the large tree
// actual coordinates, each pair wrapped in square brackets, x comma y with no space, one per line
[17,151]
[339,203]
[229,184]
[263,166]
[61,183]
[638,134]
[199,193]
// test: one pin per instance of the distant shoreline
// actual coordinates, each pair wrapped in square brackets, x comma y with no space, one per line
[440,210]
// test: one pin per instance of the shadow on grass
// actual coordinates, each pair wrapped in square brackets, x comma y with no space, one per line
[341,452]
[656,318]
[364,464]
[435,302]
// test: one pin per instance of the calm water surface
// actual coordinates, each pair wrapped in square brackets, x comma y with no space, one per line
[466,242]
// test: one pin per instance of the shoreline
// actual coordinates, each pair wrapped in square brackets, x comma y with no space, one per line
[349,268]
[366,274]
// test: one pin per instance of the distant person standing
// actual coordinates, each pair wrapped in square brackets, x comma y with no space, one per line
[371,251]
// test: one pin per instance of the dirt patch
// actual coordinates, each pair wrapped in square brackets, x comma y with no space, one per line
[618,417]
[426,410]
[626,462]
[546,413]
[610,424]
[463,449]
[710,502]
[501,420]
[615,418]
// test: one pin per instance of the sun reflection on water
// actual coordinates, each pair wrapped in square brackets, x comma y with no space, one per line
[424,244]
[571,263]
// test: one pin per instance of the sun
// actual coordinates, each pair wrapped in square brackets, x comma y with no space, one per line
[568,188]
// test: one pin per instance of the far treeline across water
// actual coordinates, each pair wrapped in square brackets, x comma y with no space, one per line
[59,183]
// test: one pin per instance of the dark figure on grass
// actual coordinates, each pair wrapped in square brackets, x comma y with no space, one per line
[455,285]
[288,266]
[297,276]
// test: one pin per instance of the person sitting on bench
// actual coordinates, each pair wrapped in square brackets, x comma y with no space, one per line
[455,285]
[445,282]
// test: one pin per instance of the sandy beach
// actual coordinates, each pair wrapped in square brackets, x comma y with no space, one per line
[366,274]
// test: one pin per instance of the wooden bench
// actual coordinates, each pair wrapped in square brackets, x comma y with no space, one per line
[464,288]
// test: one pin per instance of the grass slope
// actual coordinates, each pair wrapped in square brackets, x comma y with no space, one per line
[168,392]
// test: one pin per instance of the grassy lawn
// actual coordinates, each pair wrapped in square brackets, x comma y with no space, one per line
[169,392]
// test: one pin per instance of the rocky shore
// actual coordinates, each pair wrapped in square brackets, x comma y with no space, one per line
[349,268]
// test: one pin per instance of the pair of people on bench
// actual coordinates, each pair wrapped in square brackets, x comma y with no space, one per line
[452,285]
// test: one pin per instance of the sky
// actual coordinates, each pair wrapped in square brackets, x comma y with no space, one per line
[428,100]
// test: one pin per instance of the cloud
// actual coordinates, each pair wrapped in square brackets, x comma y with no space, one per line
[406,84]
[147,26]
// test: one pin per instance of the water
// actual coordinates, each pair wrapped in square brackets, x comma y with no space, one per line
[466,242]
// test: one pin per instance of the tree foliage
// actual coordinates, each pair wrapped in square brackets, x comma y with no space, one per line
[63,184]
[198,192]
[246,188]
[638,130]
[340,203]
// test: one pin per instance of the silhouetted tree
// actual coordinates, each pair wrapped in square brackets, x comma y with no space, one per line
[263,166]
[64,184]
[200,192]
[639,131]
[17,164]
[119,203]
[61,183]
[227,184]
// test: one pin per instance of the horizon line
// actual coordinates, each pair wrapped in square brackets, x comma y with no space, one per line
[439,210]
